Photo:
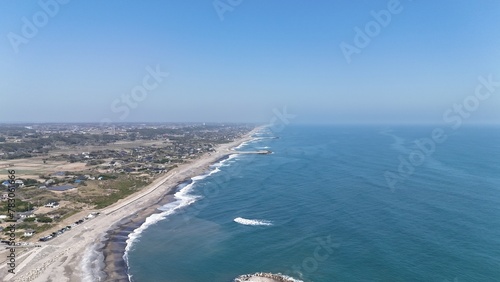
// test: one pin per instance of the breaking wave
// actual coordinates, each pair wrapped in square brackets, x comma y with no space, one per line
[246,221]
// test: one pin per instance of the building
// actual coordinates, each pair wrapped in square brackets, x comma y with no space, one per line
[52,205]
[25,214]
[29,233]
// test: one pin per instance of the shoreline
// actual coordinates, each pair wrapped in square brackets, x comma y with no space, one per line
[114,243]
[115,266]
[62,259]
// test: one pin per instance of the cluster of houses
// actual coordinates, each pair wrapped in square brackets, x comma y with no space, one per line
[60,181]
[143,159]
[30,213]
[46,184]
[19,215]
[173,144]
[39,139]
[61,177]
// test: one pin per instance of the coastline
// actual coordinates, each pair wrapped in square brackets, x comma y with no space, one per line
[114,243]
[101,242]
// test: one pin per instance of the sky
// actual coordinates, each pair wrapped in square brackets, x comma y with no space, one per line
[343,61]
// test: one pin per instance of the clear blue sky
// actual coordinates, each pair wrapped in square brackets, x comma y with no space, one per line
[263,55]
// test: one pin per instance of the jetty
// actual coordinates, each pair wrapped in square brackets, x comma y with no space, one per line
[264,277]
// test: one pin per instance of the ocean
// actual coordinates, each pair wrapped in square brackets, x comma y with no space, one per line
[335,203]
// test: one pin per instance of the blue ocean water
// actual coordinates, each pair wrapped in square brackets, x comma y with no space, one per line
[321,208]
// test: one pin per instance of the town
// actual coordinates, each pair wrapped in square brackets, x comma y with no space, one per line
[64,169]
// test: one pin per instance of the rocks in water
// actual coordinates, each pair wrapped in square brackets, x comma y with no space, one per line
[264,277]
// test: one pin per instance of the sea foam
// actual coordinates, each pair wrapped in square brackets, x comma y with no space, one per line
[92,263]
[246,221]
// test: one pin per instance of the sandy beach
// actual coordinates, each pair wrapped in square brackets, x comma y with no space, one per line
[63,258]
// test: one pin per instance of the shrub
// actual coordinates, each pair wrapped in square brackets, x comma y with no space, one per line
[44,219]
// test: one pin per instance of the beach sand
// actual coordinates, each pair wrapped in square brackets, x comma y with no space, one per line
[64,258]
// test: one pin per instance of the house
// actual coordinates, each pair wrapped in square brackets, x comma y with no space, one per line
[5,196]
[52,205]
[19,182]
[6,183]
[29,233]
[25,214]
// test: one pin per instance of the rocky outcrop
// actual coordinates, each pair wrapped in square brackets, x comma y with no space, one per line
[270,276]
